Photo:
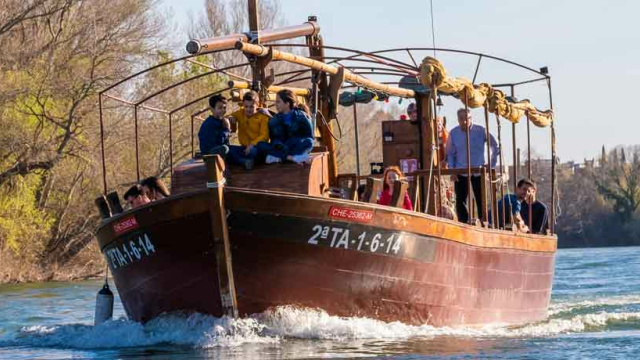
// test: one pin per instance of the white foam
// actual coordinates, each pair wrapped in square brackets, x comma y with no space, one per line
[195,330]
[567,306]
[578,323]
[202,331]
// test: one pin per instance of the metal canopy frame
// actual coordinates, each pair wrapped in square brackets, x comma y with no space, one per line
[375,63]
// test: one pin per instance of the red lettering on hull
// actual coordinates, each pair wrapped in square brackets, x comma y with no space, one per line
[363,216]
[125,225]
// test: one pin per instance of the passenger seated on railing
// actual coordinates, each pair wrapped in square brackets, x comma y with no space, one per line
[154,188]
[214,131]
[135,197]
[512,204]
[290,131]
[539,210]
[447,210]
[252,127]
[391,175]
[360,190]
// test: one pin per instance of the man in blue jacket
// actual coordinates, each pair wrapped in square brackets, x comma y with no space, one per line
[215,130]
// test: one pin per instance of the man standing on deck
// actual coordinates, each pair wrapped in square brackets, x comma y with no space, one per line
[457,159]
[539,211]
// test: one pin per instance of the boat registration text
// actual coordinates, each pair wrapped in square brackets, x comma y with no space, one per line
[343,238]
[134,249]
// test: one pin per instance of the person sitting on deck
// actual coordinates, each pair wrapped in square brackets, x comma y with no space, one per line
[290,131]
[539,211]
[214,131]
[391,175]
[252,127]
[457,159]
[512,204]
[412,112]
[135,197]
[154,188]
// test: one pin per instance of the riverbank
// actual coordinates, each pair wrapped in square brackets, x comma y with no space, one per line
[88,264]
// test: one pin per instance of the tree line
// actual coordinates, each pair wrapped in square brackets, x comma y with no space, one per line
[57,55]
[600,201]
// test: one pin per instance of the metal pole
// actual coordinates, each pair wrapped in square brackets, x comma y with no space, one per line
[469,187]
[355,123]
[104,163]
[192,143]
[503,208]
[314,104]
[439,157]
[515,156]
[135,123]
[553,164]
[528,147]
[490,166]
[514,144]
[170,147]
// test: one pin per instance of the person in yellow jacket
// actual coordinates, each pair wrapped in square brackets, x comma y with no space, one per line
[253,128]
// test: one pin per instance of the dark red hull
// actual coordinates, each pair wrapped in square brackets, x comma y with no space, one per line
[347,258]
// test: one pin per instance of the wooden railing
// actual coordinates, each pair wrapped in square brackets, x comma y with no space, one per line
[348,183]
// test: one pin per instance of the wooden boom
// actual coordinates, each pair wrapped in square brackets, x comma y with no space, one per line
[259,50]
[201,46]
[273,88]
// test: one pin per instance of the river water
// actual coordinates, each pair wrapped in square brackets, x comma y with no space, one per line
[594,313]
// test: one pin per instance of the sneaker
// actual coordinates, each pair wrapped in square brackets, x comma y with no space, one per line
[272,159]
[300,159]
[248,164]
[221,150]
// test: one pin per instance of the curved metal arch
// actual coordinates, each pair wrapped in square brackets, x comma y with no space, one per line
[408,50]
[198,99]
[182,82]
[337,48]
[144,71]
[497,58]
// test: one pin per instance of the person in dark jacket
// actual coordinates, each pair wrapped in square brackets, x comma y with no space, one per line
[154,188]
[539,211]
[290,132]
[215,130]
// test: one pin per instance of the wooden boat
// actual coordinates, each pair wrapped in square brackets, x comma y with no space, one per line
[260,242]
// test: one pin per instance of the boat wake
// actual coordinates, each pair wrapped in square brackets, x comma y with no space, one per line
[271,327]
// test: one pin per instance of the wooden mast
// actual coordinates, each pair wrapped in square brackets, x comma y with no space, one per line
[324,113]
[427,132]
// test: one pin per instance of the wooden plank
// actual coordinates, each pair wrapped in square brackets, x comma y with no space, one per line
[399,192]
[374,186]
[250,200]
[220,232]
[416,195]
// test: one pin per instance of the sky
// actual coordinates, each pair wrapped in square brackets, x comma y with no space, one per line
[590,47]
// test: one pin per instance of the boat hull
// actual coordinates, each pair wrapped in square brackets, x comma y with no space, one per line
[347,258]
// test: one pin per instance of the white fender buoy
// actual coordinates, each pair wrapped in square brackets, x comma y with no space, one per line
[104,305]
